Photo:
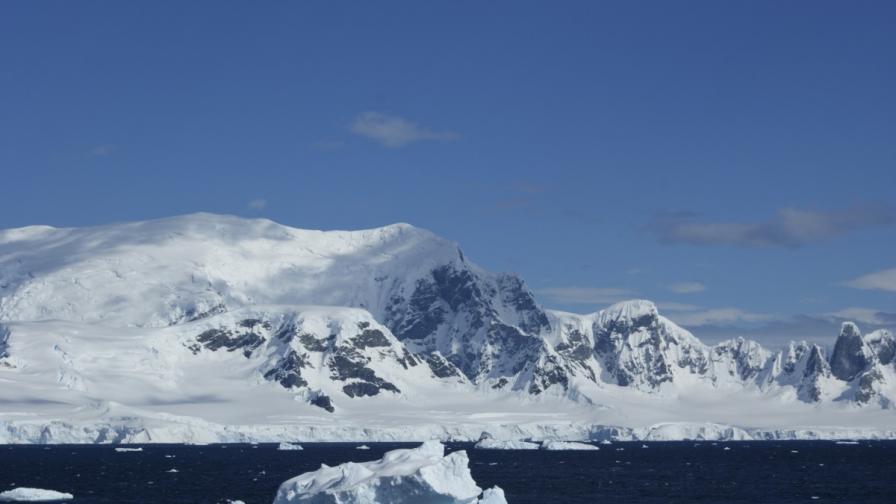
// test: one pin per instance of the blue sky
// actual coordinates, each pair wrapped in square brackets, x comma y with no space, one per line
[734,162]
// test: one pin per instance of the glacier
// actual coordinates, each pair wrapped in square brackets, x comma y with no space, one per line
[206,328]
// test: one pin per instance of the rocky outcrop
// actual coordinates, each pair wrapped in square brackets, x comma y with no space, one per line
[851,354]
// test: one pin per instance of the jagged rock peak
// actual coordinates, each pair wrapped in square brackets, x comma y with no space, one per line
[851,354]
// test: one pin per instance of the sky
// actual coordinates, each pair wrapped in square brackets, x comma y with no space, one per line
[735,162]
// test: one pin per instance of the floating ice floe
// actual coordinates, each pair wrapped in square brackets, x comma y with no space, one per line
[123,450]
[498,444]
[25,494]
[423,475]
[567,445]
[848,442]
[362,447]
[289,446]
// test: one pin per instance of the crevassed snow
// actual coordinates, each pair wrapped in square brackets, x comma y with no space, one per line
[423,475]
[26,494]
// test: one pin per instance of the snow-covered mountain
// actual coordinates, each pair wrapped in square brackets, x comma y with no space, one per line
[242,321]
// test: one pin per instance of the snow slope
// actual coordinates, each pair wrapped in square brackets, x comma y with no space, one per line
[206,328]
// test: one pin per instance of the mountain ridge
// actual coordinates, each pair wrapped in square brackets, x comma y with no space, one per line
[337,319]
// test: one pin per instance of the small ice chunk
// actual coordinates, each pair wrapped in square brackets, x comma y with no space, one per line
[172,470]
[26,494]
[493,495]
[606,441]
[123,450]
[289,446]
[362,447]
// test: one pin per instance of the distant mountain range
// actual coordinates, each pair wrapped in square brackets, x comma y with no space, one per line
[197,314]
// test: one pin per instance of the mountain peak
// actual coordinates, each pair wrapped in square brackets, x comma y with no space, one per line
[631,309]
[851,353]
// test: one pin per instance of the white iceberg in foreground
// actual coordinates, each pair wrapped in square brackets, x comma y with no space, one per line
[505,444]
[423,475]
[567,445]
[25,494]
[289,446]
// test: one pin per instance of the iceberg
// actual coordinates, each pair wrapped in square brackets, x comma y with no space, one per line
[289,446]
[505,444]
[25,494]
[124,450]
[423,475]
[566,445]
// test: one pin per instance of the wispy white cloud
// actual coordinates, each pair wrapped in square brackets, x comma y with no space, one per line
[879,280]
[393,131]
[868,316]
[719,316]
[672,306]
[585,295]
[789,227]
[686,287]
[257,204]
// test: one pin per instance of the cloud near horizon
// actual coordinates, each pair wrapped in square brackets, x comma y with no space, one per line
[884,280]
[585,295]
[686,287]
[789,227]
[257,204]
[392,131]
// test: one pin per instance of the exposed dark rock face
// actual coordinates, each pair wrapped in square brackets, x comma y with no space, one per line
[851,355]
[883,344]
[578,348]
[322,401]
[371,338]
[288,371]
[746,355]
[441,367]
[408,360]
[246,337]
[548,371]
[4,341]
[816,368]
[515,294]
[192,314]
[865,390]
[457,312]
[347,364]
[628,360]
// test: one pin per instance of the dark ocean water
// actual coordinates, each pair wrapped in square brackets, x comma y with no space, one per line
[670,472]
